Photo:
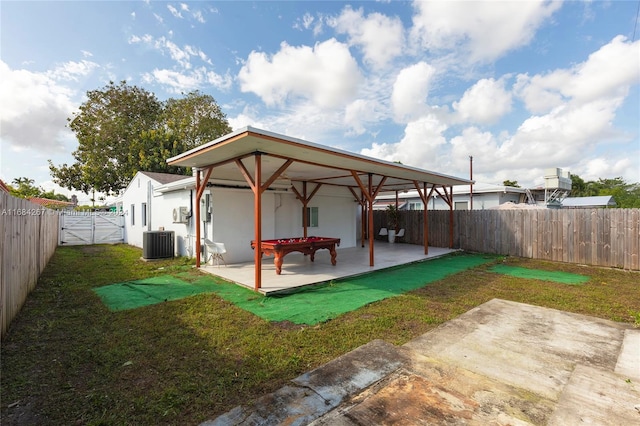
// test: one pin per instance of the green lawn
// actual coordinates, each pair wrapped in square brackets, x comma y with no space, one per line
[67,359]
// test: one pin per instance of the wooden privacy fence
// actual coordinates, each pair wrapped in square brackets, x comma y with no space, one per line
[28,239]
[599,237]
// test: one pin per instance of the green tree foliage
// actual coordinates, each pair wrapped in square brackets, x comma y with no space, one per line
[195,119]
[627,195]
[122,129]
[24,187]
[579,187]
[513,183]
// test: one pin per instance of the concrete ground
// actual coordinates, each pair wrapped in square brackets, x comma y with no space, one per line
[298,270]
[501,363]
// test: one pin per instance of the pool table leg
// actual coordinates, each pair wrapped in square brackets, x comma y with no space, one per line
[334,254]
[277,260]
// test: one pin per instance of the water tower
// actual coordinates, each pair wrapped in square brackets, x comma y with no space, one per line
[557,186]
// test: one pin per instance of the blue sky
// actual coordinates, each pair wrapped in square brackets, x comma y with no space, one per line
[521,86]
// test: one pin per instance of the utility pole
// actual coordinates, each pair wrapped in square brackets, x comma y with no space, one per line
[471,179]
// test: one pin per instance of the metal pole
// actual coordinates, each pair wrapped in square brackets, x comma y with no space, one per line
[471,179]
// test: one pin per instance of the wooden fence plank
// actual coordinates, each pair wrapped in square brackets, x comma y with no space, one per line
[28,239]
[600,237]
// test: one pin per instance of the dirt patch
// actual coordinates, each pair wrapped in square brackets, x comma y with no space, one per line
[22,413]
[288,325]
[93,249]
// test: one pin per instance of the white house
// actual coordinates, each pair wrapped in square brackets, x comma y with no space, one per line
[256,185]
[160,201]
[485,196]
[144,210]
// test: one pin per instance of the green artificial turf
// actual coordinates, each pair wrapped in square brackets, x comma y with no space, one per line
[315,304]
[149,291]
[310,305]
[537,274]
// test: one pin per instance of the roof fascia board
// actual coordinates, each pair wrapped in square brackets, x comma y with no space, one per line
[247,131]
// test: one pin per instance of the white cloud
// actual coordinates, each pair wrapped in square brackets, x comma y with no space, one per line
[35,106]
[182,56]
[485,102]
[410,91]
[199,17]
[307,20]
[174,11]
[610,167]
[73,70]
[380,37]
[474,142]
[310,22]
[325,74]
[607,73]
[179,82]
[359,113]
[480,30]
[421,146]
[575,110]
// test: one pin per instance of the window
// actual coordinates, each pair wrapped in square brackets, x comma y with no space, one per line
[461,205]
[413,205]
[143,213]
[133,214]
[312,217]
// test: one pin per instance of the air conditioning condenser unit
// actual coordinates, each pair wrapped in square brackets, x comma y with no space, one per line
[181,215]
[157,244]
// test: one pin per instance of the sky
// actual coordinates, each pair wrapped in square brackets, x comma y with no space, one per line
[520,86]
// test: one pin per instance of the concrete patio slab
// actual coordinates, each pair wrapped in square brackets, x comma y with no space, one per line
[298,270]
[502,363]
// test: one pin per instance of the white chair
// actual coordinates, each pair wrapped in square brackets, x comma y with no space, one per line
[215,252]
[400,233]
[383,232]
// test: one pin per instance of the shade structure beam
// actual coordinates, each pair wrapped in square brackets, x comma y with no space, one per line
[370,193]
[200,186]
[255,182]
[304,198]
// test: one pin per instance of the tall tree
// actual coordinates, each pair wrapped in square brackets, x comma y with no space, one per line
[24,187]
[578,187]
[627,195]
[106,125]
[195,119]
[185,123]
[122,129]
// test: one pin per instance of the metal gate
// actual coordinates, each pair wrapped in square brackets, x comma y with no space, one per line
[78,228]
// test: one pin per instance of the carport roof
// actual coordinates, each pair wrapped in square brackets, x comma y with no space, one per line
[311,162]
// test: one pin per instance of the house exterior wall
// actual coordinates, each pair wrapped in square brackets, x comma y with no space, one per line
[161,217]
[159,213]
[281,218]
[135,194]
[481,201]
[233,223]
[337,215]
[231,220]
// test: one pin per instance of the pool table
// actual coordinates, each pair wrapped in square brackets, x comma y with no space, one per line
[281,247]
